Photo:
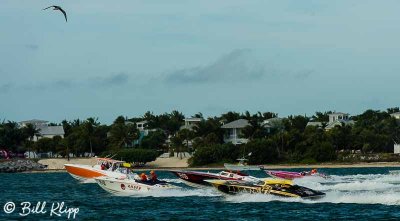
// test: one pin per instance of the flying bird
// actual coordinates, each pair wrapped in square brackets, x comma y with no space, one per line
[55,7]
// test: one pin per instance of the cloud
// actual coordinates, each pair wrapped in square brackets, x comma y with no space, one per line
[304,74]
[240,65]
[108,81]
[6,87]
[32,47]
[236,66]
[113,80]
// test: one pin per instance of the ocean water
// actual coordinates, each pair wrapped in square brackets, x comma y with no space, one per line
[351,194]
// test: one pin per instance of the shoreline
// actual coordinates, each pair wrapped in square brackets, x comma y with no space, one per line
[274,166]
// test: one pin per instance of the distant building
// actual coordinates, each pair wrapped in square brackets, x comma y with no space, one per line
[338,119]
[44,129]
[233,131]
[396,115]
[335,119]
[338,116]
[396,148]
[141,125]
[315,124]
[34,122]
[190,123]
[272,124]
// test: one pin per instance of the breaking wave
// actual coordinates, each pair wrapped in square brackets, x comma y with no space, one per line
[357,189]
[178,192]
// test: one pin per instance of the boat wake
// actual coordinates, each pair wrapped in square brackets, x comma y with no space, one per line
[357,189]
[178,192]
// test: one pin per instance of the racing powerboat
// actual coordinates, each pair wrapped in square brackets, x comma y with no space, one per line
[293,175]
[131,185]
[197,179]
[284,188]
[104,167]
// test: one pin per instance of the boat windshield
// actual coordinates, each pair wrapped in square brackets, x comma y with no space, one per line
[224,174]
[109,164]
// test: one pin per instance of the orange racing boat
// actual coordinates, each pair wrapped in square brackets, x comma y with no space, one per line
[104,167]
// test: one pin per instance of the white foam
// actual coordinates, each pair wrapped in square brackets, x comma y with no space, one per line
[388,198]
[175,192]
[358,189]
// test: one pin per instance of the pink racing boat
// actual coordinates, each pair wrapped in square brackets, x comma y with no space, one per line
[293,175]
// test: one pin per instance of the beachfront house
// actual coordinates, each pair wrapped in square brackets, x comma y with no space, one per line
[141,125]
[44,129]
[338,119]
[143,131]
[191,123]
[396,149]
[396,115]
[335,119]
[272,124]
[233,131]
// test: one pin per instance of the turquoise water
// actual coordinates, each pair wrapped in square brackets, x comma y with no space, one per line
[352,194]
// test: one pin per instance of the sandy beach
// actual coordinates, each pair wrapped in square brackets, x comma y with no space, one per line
[57,164]
[171,162]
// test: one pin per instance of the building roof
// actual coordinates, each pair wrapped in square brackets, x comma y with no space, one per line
[338,113]
[142,122]
[339,123]
[196,119]
[33,121]
[315,124]
[241,123]
[51,130]
[271,122]
[189,127]
[394,114]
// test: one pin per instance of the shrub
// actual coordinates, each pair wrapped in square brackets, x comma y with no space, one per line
[138,157]
[262,151]
[217,153]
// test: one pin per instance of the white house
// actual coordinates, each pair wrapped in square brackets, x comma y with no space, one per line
[396,149]
[190,123]
[141,125]
[234,131]
[338,116]
[337,119]
[272,123]
[44,129]
[396,115]
[34,122]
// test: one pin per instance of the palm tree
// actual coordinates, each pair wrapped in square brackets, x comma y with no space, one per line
[186,135]
[88,128]
[123,135]
[31,131]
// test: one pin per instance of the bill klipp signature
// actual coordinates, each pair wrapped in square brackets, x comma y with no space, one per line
[54,209]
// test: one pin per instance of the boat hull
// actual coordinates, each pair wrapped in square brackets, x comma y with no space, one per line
[237,167]
[284,174]
[292,175]
[283,190]
[86,173]
[129,187]
[195,179]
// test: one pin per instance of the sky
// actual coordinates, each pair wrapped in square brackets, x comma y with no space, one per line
[127,57]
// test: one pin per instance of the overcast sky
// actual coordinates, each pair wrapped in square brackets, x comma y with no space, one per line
[127,57]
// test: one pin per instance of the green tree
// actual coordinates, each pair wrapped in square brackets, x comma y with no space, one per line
[138,157]
[123,134]
[154,140]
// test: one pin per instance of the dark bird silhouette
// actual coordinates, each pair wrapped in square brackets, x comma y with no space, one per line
[55,7]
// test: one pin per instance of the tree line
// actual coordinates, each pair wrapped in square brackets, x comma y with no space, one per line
[288,140]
